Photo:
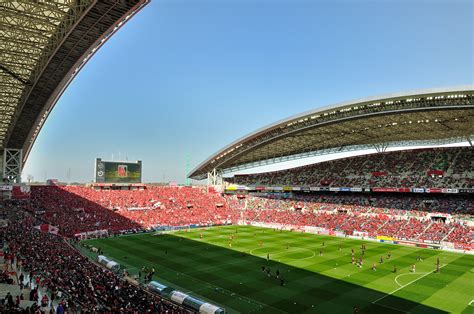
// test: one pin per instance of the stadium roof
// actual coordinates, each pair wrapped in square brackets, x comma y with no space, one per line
[425,117]
[43,45]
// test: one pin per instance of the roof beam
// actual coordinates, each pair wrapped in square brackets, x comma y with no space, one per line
[15,76]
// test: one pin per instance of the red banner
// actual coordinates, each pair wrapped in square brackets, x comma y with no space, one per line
[435,173]
[21,192]
[385,189]
[379,173]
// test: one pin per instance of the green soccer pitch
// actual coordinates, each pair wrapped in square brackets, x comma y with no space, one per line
[228,272]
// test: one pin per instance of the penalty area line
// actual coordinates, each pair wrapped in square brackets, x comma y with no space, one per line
[426,274]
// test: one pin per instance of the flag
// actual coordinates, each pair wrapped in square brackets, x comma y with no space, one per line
[47,228]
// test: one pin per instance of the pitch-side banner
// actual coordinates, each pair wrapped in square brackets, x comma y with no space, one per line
[384,189]
[450,190]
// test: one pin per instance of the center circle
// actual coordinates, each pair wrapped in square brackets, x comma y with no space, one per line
[290,253]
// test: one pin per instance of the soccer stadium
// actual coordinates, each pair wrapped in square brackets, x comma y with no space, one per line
[389,228]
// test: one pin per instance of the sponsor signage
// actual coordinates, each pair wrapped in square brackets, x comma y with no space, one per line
[418,190]
[433,190]
[385,189]
[314,188]
[356,189]
[296,188]
[334,189]
[450,190]
[466,190]
[287,188]
[404,190]
[6,187]
[345,189]
[259,188]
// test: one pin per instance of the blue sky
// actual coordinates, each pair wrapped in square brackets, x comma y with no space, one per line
[187,77]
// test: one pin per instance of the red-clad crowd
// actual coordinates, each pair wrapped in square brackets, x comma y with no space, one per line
[83,286]
[77,209]
[423,168]
[398,217]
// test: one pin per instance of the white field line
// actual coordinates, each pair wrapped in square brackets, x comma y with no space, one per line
[396,278]
[426,274]
[279,252]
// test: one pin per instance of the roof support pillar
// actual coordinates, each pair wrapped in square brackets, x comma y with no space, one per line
[381,148]
[214,178]
[12,165]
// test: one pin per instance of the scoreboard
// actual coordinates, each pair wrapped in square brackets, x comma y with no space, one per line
[118,171]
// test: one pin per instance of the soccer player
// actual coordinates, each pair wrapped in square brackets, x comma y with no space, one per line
[268,257]
[353,260]
[360,262]
[374,266]
[323,243]
[389,256]
[413,268]
[320,252]
[200,236]
[395,269]
[381,259]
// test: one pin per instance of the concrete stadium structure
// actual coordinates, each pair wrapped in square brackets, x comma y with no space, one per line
[43,46]
[424,117]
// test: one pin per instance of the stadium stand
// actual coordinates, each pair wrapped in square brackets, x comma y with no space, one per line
[55,271]
[424,168]
[398,217]
[77,209]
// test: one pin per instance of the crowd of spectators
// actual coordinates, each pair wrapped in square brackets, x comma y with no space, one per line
[77,209]
[408,218]
[423,168]
[380,203]
[58,268]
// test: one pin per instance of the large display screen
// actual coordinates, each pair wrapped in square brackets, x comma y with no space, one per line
[118,172]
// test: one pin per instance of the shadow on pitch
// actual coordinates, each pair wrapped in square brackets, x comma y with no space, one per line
[240,273]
